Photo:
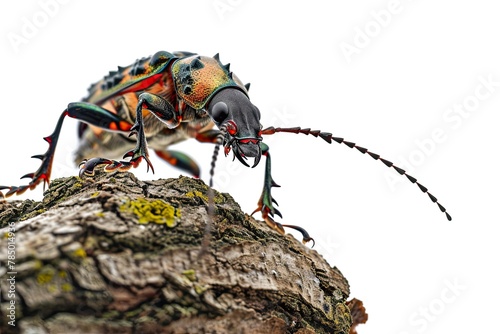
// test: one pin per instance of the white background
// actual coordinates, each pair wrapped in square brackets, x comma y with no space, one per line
[397,249]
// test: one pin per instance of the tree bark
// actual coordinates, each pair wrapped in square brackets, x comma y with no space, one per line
[113,254]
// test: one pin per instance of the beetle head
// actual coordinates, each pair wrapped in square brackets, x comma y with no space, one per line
[232,112]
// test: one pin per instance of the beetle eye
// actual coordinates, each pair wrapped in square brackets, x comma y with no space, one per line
[219,112]
[231,127]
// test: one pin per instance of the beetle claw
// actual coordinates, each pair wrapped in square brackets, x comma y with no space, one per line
[87,167]
[268,213]
[305,236]
[136,157]
[117,165]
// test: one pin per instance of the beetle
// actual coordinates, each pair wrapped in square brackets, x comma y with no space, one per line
[167,98]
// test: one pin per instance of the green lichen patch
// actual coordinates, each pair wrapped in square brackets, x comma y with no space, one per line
[16,211]
[197,193]
[32,214]
[190,274]
[200,289]
[45,275]
[218,198]
[52,281]
[152,211]
[66,287]
[342,318]
[79,254]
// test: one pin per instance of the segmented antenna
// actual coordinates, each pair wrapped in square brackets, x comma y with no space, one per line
[211,206]
[218,143]
[328,138]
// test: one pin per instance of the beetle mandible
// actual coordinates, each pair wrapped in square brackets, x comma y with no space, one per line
[168,98]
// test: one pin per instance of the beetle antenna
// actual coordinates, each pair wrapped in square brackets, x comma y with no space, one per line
[211,204]
[328,138]
[218,142]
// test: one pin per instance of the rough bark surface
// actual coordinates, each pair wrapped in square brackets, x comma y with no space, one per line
[114,254]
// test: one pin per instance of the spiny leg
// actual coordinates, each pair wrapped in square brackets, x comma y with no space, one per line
[180,160]
[328,138]
[183,161]
[85,112]
[265,204]
[42,174]
[160,108]
[209,136]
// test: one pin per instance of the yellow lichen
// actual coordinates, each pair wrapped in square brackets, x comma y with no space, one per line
[197,193]
[66,287]
[200,289]
[37,265]
[217,199]
[152,211]
[45,276]
[342,317]
[52,288]
[190,274]
[77,185]
[80,253]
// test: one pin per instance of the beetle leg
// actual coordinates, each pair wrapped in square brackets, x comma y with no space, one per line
[160,108]
[209,136]
[180,160]
[265,204]
[85,112]
[101,117]
[183,161]
[141,148]
[42,174]
[97,116]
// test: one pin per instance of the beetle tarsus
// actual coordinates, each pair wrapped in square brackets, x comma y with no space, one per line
[265,204]
[274,225]
[305,235]
[280,229]
[87,167]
